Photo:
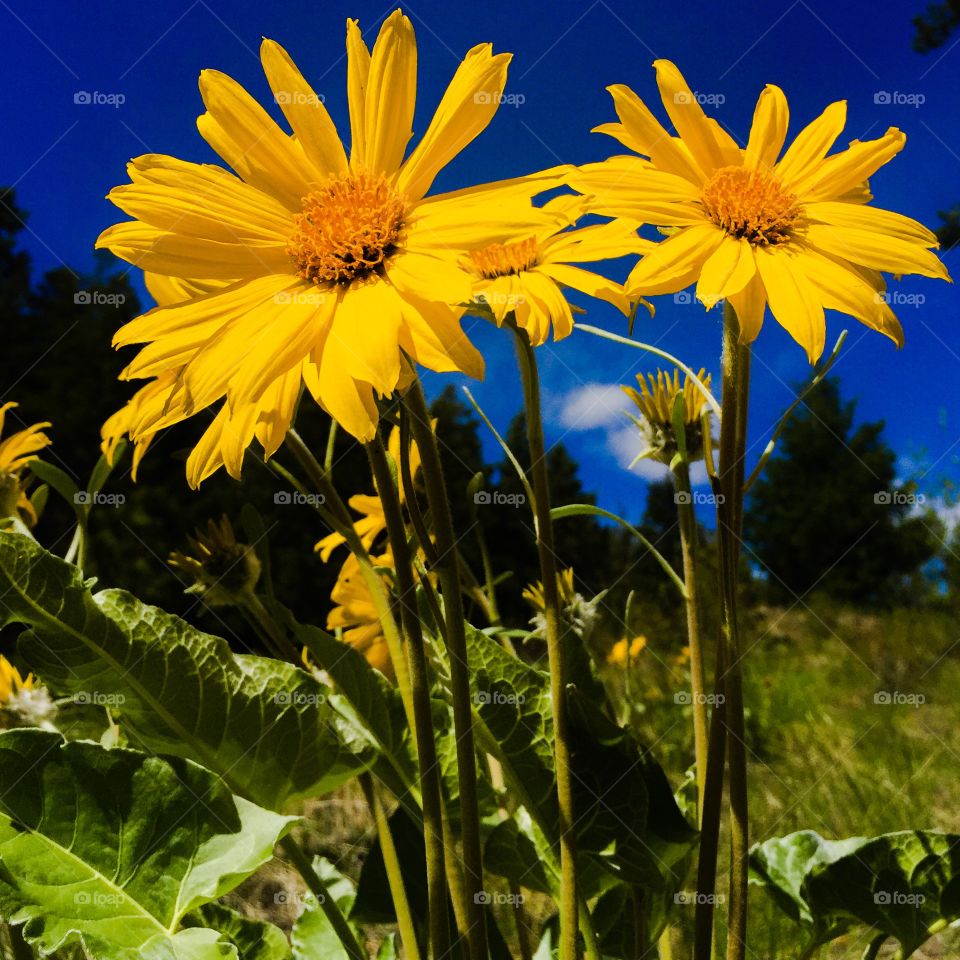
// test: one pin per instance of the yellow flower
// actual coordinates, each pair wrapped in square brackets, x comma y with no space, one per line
[356,614]
[655,400]
[533,592]
[795,232]
[314,267]
[623,651]
[16,452]
[224,571]
[373,522]
[525,276]
[11,682]
[683,657]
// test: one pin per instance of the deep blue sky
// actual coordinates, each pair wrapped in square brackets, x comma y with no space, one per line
[63,157]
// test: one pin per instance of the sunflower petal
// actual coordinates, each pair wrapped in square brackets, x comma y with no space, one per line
[688,117]
[675,262]
[726,271]
[769,129]
[812,143]
[793,302]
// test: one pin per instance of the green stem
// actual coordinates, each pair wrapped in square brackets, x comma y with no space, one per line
[448,571]
[19,948]
[270,628]
[688,541]
[420,689]
[736,386]
[336,514]
[569,901]
[398,891]
[874,947]
[327,904]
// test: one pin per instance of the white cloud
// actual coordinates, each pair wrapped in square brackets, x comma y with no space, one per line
[593,405]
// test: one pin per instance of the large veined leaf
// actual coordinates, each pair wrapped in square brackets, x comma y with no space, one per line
[263,725]
[112,848]
[254,939]
[313,936]
[628,823]
[904,885]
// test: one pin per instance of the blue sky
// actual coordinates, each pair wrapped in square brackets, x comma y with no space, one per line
[143,61]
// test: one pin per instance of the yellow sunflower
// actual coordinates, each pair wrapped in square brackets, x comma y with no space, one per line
[655,401]
[306,264]
[525,276]
[16,452]
[754,227]
[11,682]
[355,613]
[624,651]
[373,522]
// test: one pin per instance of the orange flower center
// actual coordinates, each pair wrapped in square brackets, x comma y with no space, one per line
[751,205]
[505,259]
[347,229]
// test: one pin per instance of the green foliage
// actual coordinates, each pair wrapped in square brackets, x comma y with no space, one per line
[254,939]
[935,25]
[263,725]
[114,848]
[313,935]
[904,885]
[829,500]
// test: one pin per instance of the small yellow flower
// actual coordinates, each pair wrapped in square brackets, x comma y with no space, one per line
[373,523]
[525,276]
[309,265]
[224,571]
[16,452]
[355,613]
[533,592]
[655,400]
[754,227]
[682,658]
[11,683]
[624,651]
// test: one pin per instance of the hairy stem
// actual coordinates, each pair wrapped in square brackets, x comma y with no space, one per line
[448,570]
[569,901]
[420,689]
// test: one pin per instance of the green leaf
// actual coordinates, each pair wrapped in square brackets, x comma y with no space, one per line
[111,848]
[254,939]
[263,725]
[904,885]
[313,936]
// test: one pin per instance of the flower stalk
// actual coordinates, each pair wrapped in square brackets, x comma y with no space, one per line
[569,901]
[447,567]
[430,789]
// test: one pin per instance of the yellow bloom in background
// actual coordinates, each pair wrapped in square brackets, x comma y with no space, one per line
[526,276]
[753,226]
[16,452]
[224,571]
[624,650]
[355,613]
[533,592]
[373,522]
[305,265]
[11,683]
[655,400]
